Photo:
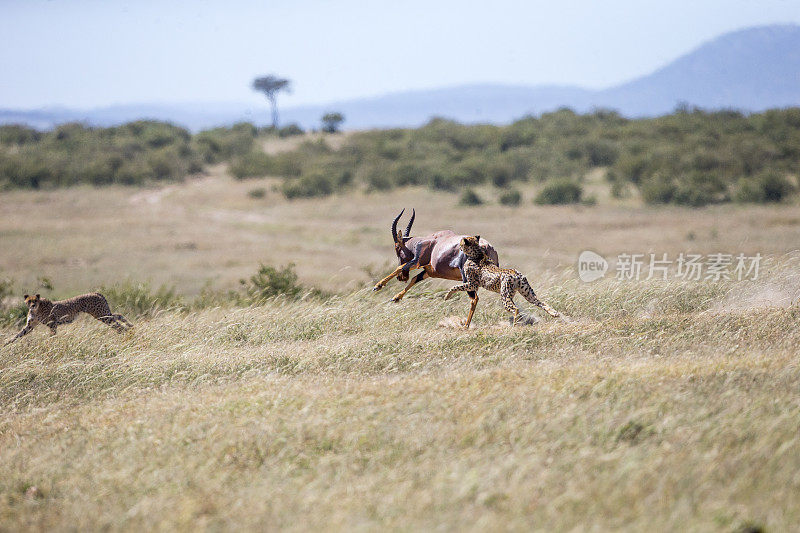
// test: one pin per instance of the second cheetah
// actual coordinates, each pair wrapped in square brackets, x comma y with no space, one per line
[53,314]
[480,272]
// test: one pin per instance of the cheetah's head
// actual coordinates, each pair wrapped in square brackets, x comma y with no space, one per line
[33,302]
[471,247]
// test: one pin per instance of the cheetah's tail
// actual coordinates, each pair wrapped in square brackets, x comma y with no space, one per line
[122,319]
[550,311]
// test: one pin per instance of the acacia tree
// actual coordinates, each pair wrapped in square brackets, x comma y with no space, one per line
[331,121]
[271,85]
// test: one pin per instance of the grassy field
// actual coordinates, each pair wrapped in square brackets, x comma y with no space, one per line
[211,230]
[656,405]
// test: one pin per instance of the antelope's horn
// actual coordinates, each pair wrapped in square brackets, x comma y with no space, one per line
[408,228]
[394,225]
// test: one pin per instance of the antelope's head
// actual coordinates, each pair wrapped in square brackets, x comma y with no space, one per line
[400,238]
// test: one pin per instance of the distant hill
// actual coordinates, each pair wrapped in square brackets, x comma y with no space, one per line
[751,69]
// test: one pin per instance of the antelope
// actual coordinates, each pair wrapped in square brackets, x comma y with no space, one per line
[437,254]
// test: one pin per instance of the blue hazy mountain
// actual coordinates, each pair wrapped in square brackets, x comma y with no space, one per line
[751,70]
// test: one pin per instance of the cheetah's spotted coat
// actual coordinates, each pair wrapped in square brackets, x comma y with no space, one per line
[53,314]
[480,272]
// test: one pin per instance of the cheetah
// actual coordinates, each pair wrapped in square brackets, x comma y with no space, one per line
[53,314]
[480,272]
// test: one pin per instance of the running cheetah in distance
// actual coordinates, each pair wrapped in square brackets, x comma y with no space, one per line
[53,314]
[482,273]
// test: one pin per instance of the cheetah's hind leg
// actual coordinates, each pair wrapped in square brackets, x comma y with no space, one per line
[527,292]
[112,321]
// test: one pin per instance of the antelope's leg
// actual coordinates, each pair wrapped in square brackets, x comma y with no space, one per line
[378,286]
[404,267]
[416,279]
[472,307]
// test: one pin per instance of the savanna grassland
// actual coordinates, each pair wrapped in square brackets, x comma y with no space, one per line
[656,405]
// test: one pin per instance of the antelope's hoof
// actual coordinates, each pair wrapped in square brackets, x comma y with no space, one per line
[397,298]
[377,287]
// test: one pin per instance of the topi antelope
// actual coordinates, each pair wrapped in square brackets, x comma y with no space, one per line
[438,254]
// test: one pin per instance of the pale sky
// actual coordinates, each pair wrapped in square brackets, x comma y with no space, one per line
[97,53]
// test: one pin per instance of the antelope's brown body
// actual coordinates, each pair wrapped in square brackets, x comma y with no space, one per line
[437,254]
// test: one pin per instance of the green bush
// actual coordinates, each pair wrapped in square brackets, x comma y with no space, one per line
[166,164]
[253,164]
[662,157]
[25,171]
[308,186]
[749,191]
[376,177]
[17,134]
[601,152]
[766,187]
[257,193]
[12,309]
[290,164]
[560,191]
[290,130]
[442,181]
[222,144]
[270,282]
[511,197]
[775,186]
[410,174]
[74,153]
[658,189]
[690,157]
[470,198]
[697,189]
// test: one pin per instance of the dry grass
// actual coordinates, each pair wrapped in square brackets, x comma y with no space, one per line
[209,230]
[656,406]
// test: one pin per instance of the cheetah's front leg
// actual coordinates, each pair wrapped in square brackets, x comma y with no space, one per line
[30,323]
[468,286]
[472,282]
